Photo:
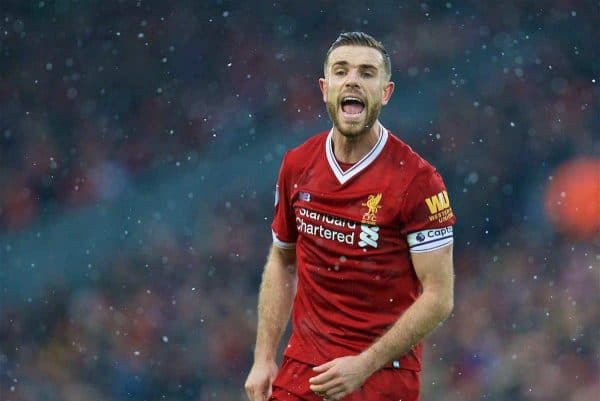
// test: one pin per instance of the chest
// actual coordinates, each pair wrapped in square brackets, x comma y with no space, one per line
[363,215]
[374,197]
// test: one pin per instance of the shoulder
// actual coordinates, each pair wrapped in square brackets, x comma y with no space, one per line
[414,166]
[425,202]
[296,157]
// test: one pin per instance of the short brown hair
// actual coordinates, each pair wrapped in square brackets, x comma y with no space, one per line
[361,39]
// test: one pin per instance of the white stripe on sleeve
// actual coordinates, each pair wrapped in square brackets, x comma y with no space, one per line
[281,244]
[430,240]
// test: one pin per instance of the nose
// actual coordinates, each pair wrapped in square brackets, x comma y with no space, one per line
[352,78]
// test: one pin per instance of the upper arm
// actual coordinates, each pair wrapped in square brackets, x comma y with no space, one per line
[283,256]
[435,270]
[428,222]
[284,219]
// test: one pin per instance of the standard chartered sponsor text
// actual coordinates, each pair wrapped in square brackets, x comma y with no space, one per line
[309,227]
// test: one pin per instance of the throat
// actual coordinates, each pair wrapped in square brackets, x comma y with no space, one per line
[345,166]
[350,149]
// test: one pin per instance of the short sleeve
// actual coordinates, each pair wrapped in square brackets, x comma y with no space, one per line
[283,226]
[428,215]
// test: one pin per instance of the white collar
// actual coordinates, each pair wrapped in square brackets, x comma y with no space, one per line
[359,166]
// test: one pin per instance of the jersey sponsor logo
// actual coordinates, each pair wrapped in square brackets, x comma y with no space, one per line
[372,203]
[369,235]
[439,207]
[438,202]
[326,218]
[325,226]
[336,229]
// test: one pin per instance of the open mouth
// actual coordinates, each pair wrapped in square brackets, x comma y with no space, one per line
[352,106]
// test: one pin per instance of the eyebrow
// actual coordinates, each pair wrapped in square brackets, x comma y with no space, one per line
[363,66]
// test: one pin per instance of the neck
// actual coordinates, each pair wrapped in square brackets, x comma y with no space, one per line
[352,149]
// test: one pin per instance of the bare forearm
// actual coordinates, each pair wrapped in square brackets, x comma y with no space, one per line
[415,323]
[274,303]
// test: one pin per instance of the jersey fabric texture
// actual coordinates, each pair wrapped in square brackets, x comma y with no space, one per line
[351,232]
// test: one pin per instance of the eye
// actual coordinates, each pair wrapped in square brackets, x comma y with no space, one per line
[339,72]
[367,74]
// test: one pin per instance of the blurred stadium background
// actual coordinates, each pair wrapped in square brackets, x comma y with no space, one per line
[139,145]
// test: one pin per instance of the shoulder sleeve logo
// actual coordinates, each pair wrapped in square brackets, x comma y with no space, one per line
[439,207]
[438,202]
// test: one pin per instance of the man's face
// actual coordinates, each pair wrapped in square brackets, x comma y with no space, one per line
[355,88]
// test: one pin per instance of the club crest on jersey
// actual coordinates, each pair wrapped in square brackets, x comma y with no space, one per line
[372,203]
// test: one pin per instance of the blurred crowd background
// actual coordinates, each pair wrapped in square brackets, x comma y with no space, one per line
[139,146]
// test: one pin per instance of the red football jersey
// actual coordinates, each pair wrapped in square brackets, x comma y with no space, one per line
[353,231]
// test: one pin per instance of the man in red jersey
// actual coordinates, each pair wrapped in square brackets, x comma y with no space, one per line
[362,250]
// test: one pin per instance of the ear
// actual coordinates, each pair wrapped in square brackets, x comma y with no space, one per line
[388,89]
[323,86]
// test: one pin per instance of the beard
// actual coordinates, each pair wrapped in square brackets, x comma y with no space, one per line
[353,130]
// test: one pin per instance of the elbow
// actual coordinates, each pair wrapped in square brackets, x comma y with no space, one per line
[442,305]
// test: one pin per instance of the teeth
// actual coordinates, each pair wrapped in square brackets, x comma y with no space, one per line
[352,98]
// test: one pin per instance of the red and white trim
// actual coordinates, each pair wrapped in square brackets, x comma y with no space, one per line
[430,240]
[281,244]
[344,176]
